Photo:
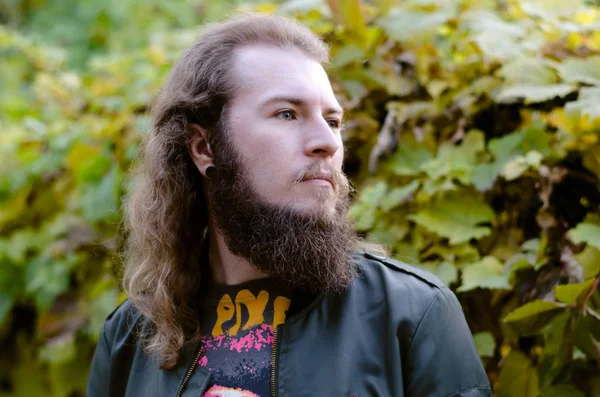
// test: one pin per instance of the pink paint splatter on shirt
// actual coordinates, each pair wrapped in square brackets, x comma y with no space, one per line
[256,338]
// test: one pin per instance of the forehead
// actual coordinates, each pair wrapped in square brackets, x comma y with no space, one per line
[262,71]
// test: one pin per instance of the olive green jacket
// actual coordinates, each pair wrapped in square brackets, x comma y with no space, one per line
[396,331]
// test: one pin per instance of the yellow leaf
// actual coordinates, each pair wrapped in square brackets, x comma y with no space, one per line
[80,154]
[349,14]
[15,207]
[586,17]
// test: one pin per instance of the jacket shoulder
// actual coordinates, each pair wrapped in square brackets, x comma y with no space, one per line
[374,264]
[121,324]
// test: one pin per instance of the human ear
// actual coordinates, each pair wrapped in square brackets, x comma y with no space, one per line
[199,148]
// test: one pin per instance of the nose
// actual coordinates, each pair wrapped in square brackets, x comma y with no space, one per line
[321,140]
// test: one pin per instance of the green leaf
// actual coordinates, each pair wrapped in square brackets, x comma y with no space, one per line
[497,38]
[518,376]
[586,341]
[531,317]
[456,217]
[561,391]
[568,293]
[552,9]
[347,54]
[586,233]
[528,71]
[446,272]
[485,344]
[398,195]
[59,349]
[404,25]
[558,339]
[293,6]
[586,105]
[363,212]
[486,273]
[409,158]
[577,70]
[101,201]
[589,259]
[534,93]
[515,168]
[484,175]
[5,305]
[47,279]
[531,138]
[456,161]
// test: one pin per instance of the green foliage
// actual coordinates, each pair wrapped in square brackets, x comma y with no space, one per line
[472,140]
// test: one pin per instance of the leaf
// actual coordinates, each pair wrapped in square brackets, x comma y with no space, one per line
[446,272]
[586,105]
[404,25]
[586,341]
[576,70]
[561,391]
[551,9]
[531,93]
[485,344]
[409,158]
[456,217]
[398,195]
[363,211]
[589,259]
[347,54]
[568,293]
[497,38]
[558,339]
[101,201]
[486,273]
[514,169]
[47,279]
[518,376]
[527,70]
[58,350]
[531,317]
[484,175]
[456,161]
[292,6]
[586,233]
[5,305]
[349,13]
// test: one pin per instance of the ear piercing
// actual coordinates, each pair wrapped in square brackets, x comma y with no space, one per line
[211,171]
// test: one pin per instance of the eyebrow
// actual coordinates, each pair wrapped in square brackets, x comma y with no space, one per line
[301,102]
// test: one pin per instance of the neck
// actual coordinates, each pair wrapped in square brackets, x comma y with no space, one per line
[227,268]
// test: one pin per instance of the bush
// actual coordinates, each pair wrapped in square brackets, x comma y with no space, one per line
[472,140]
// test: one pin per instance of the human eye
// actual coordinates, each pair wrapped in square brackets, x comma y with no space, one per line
[334,123]
[287,115]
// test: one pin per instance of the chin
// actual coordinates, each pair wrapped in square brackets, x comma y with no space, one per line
[315,207]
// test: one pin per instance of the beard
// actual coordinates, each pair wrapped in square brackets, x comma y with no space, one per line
[311,251]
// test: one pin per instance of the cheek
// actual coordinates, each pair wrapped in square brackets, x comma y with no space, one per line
[269,164]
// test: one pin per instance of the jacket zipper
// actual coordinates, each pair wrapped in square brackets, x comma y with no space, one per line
[190,370]
[273,362]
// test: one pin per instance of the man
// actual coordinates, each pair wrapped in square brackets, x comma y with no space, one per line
[240,268]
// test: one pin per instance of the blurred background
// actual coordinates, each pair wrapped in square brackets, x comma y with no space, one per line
[472,140]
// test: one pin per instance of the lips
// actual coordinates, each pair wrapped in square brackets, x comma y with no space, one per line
[321,176]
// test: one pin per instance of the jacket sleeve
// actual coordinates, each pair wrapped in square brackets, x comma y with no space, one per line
[99,379]
[442,358]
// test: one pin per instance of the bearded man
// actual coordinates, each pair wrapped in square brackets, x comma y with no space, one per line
[241,266]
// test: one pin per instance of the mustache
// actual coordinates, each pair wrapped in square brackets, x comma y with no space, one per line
[338,179]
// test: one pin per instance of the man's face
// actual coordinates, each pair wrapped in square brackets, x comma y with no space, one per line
[284,118]
[279,197]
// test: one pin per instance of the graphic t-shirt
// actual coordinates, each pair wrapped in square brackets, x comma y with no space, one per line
[237,335]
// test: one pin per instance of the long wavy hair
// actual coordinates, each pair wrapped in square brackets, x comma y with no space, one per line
[166,213]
